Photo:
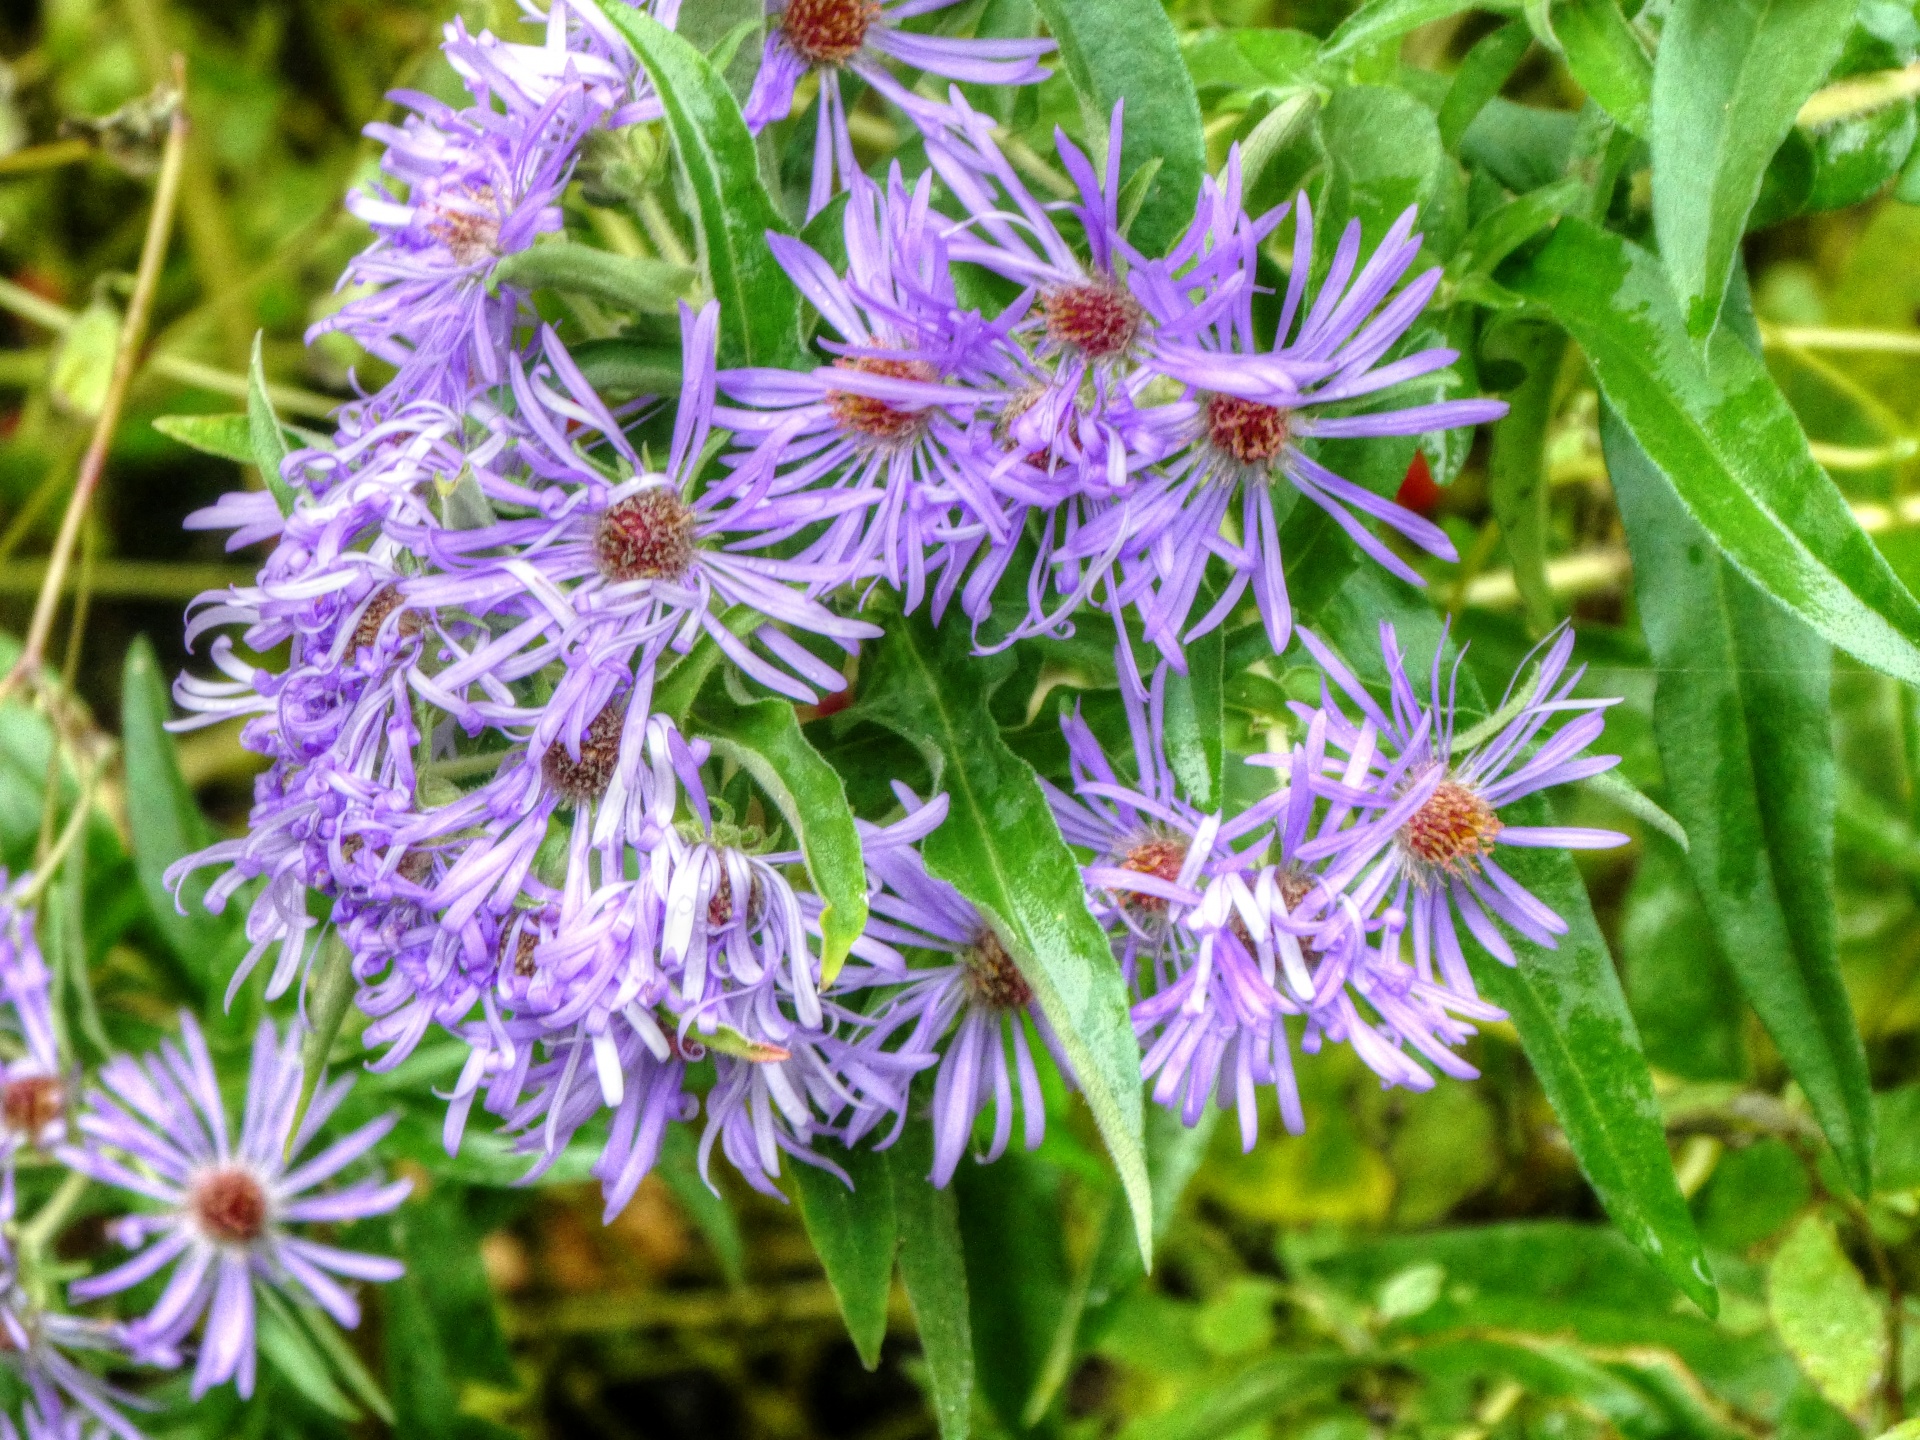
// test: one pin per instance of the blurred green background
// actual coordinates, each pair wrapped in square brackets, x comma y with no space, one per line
[1419,1265]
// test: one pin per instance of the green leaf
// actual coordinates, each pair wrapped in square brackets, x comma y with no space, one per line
[1855,158]
[1111,1266]
[1001,848]
[1384,154]
[1741,716]
[268,436]
[1617,790]
[82,368]
[1116,50]
[1517,468]
[341,1357]
[853,1232]
[1825,1314]
[228,436]
[293,1355]
[328,996]
[1730,77]
[1684,995]
[1607,58]
[933,1270]
[165,822]
[732,212]
[764,738]
[1196,720]
[1241,1402]
[1724,436]
[623,369]
[1578,1033]
[426,1396]
[1379,21]
[1233,67]
[1566,1003]
[1539,19]
[1016,1277]
[1487,67]
[630,282]
[442,1251]
[1507,227]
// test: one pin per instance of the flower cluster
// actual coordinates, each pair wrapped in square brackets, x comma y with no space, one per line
[502,599]
[224,1215]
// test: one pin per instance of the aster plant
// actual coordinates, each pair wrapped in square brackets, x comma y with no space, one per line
[820,646]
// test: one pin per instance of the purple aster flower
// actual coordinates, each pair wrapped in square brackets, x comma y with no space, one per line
[972,1010]
[862,36]
[158,1129]
[1440,864]
[38,1347]
[337,721]
[34,1080]
[570,1087]
[619,565]
[468,187]
[42,1417]
[898,412]
[581,50]
[1096,321]
[1155,853]
[1247,410]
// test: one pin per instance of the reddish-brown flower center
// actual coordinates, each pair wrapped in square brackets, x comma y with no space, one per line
[382,603]
[720,902]
[828,32]
[416,865]
[524,962]
[1096,317]
[577,782]
[648,536]
[1452,830]
[32,1102]
[230,1205]
[992,977]
[870,416]
[468,224]
[1160,856]
[1246,430]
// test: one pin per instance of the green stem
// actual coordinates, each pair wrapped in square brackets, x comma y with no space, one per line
[38,1232]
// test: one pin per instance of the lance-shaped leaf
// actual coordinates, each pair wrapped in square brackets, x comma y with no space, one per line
[1741,716]
[329,992]
[1608,60]
[1567,1003]
[764,738]
[759,308]
[621,369]
[1724,436]
[1729,79]
[269,438]
[228,436]
[1580,1037]
[165,822]
[1196,720]
[853,1230]
[630,282]
[1123,50]
[1379,21]
[933,1270]
[1000,847]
